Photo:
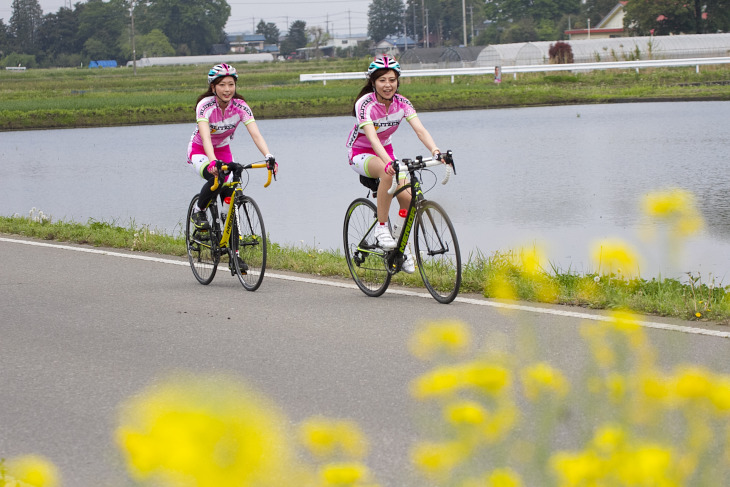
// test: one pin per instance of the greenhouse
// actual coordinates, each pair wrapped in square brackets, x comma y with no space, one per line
[421,58]
[459,57]
[614,49]
[211,59]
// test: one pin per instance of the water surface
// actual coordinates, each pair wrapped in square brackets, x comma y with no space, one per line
[560,177]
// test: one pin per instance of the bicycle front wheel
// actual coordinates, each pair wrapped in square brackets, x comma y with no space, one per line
[248,242]
[201,254]
[364,258]
[437,252]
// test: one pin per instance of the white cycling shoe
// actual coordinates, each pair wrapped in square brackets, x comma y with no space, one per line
[383,238]
[409,265]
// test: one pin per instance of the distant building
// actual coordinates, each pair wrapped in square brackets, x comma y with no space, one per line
[394,45]
[246,42]
[612,25]
[329,48]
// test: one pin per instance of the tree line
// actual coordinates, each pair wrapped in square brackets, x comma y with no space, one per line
[123,29]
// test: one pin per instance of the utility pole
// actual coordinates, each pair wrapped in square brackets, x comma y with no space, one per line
[134,50]
[428,41]
[463,14]
[415,32]
[423,22]
[349,23]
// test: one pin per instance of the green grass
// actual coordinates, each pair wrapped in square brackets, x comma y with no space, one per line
[54,98]
[481,274]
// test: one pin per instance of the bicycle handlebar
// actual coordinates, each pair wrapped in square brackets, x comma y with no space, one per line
[221,166]
[421,163]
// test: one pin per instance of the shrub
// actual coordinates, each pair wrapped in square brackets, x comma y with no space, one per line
[560,53]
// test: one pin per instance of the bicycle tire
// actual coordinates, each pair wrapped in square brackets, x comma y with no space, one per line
[365,260]
[201,251]
[437,252]
[248,241]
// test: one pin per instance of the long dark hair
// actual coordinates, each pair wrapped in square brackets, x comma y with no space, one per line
[210,90]
[370,86]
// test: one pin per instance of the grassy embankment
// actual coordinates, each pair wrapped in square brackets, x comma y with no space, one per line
[80,97]
[57,98]
[668,297]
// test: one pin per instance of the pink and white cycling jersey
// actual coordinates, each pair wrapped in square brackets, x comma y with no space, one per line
[368,110]
[222,124]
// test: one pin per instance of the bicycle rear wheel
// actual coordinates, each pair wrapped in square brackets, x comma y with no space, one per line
[248,241]
[364,258]
[201,254]
[437,252]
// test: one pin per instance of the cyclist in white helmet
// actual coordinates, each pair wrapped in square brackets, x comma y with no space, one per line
[218,113]
[379,110]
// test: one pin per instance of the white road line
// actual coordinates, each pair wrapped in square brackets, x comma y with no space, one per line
[477,302]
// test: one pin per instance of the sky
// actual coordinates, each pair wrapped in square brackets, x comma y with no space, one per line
[338,17]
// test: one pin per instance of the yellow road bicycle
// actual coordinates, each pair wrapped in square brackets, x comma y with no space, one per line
[240,239]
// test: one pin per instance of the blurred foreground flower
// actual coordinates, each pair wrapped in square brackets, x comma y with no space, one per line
[197,430]
[31,470]
[328,438]
[614,256]
[678,208]
[449,338]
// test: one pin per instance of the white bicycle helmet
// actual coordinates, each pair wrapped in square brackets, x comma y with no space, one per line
[221,70]
[384,62]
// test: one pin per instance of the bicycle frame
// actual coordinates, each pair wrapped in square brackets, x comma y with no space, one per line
[395,259]
[237,193]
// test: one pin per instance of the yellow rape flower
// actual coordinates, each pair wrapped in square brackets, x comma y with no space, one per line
[206,431]
[648,465]
[502,287]
[504,477]
[616,386]
[655,386]
[676,206]
[609,438]
[33,470]
[500,423]
[445,381]
[693,383]
[437,459]
[541,378]
[326,438]
[530,260]
[444,337]
[577,469]
[343,474]
[490,378]
[441,381]
[615,256]
[465,413]
[720,395]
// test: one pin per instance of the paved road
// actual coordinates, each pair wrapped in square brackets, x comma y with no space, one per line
[80,331]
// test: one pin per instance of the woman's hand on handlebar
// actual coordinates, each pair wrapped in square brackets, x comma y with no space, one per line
[272,165]
[213,167]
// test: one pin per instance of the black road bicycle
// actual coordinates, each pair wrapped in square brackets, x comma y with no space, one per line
[436,248]
[242,238]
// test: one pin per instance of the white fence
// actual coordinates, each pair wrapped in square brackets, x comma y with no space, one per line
[536,68]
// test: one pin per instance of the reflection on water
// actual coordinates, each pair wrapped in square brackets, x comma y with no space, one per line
[559,176]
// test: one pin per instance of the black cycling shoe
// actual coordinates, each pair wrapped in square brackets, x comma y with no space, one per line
[199,220]
[241,264]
